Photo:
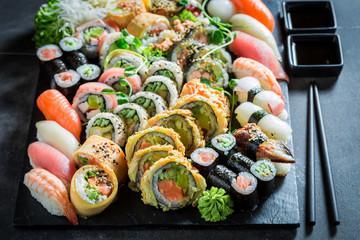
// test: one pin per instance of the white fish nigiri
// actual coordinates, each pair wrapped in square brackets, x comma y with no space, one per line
[51,193]
[52,133]
[272,126]
[248,89]
[223,9]
[251,26]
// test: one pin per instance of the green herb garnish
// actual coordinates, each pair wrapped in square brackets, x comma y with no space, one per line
[183,2]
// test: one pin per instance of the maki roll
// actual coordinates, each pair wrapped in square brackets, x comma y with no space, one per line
[107,125]
[134,116]
[183,52]
[211,69]
[152,102]
[102,152]
[51,64]
[272,126]
[49,52]
[171,183]
[144,159]
[167,69]
[112,76]
[124,10]
[221,177]
[180,121]
[238,162]
[224,144]
[67,83]
[153,136]
[204,159]
[89,72]
[73,57]
[265,172]
[162,86]
[165,7]
[211,119]
[89,100]
[202,33]
[93,189]
[220,54]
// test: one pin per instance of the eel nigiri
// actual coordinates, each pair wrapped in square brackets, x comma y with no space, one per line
[44,156]
[51,193]
[243,67]
[111,78]
[252,142]
[56,107]
[245,45]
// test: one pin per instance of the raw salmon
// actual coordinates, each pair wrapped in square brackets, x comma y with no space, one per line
[169,190]
[111,74]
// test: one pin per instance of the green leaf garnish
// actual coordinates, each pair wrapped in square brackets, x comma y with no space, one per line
[206,81]
[125,33]
[233,83]
[217,37]
[122,43]
[183,2]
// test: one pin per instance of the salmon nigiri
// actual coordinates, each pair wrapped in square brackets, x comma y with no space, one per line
[245,45]
[56,107]
[44,156]
[51,193]
[244,67]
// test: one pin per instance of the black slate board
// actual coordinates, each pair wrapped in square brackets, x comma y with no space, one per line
[280,209]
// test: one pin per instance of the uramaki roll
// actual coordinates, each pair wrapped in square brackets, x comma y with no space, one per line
[100,151]
[124,10]
[147,23]
[93,189]
[172,183]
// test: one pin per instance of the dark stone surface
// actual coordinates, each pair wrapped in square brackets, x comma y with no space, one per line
[19,76]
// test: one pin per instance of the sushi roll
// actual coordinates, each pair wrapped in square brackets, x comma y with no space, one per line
[70,44]
[153,136]
[134,116]
[204,159]
[171,183]
[221,55]
[144,159]
[49,52]
[90,33]
[180,121]
[248,89]
[163,86]
[123,11]
[51,64]
[72,55]
[202,33]
[167,69]
[211,119]
[211,69]
[89,100]
[221,177]
[89,72]
[272,126]
[265,172]
[165,7]
[112,76]
[75,59]
[93,189]
[225,145]
[67,83]
[151,102]
[238,162]
[102,152]
[107,125]
[244,191]
[183,52]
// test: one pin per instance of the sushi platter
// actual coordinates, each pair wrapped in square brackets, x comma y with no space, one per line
[129,198]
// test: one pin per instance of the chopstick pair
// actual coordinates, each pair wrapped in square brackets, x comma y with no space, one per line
[329,184]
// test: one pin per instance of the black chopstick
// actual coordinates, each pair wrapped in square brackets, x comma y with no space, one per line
[310,200]
[329,184]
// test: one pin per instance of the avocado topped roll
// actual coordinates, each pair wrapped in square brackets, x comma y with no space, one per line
[162,86]
[153,136]
[107,125]
[167,69]
[221,55]
[134,116]
[180,121]
[211,119]
[152,102]
[183,52]
[144,159]
[172,183]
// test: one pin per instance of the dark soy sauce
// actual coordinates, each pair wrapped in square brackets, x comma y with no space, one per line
[316,16]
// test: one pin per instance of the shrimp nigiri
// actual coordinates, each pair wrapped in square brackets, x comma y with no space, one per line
[56,107]
[51,193]
[244,67]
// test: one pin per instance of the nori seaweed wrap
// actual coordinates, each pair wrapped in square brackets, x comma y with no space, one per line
[225,145]
[265,172]
[239,163]
[204,159]
[67,83]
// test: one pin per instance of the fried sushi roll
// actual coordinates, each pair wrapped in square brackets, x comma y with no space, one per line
[167,69]
[144,159]
[93,189]
[172,183]
[100,151]
[134,116]
[152,102]
[124,10]
[162,86]
[153,136]
[209,116]
[107,125]
[180,121]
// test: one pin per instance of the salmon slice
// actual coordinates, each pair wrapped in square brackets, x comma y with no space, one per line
[101,187]
[56,107]
[243,182]
[169,190]
[112,73]
[207,156]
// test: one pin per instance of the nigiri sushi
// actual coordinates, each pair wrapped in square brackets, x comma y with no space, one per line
[245,45]
[56,107]
[44,156]
[111,78]
[243,67]
[51,193]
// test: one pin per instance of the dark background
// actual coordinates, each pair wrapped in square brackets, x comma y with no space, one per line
[19,71]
